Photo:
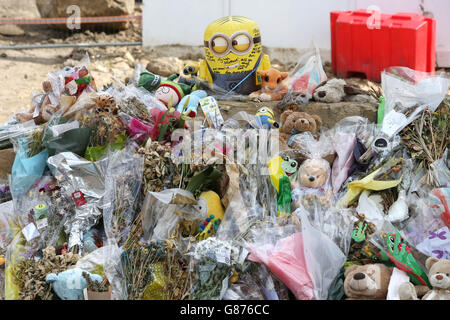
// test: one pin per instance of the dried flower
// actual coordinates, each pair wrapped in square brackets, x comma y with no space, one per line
[30,273]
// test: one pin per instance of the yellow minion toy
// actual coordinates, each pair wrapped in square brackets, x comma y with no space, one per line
[233,53]
[265,118]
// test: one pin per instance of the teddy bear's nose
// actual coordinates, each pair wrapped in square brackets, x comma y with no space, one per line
[359,276]
[439,277]
[321,94]
[311,179]
[302,121]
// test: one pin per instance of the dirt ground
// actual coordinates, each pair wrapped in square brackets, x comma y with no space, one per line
[24,70]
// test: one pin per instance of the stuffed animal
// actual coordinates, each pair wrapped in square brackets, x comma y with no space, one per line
[265,118]
[189,104]
[313,173]
[331,91]
[61,91]
[106,103]
[171,92]
[439,276]
[272,88]
[233,53]
[69,284]
[190,72]
[313,180]
[42,108]
[337,90]
[78,82]
[297,122]
[367,282]
[215,214]
[151,81]
[282,171]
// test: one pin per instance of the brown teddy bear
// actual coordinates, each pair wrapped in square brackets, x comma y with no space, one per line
[367,282]
[272,88]
[313,173]
[439,276]
[297,122]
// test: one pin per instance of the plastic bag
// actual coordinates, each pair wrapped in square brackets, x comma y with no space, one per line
[122,187]
[314,173]
[159,219]
[345,134]
[425,230]
[385,177]
[255,283]
[26,170]
[10,131]
[408,93]
[440,171]
[281,250]
[396,250]
[75,140]
[138,129]
[214,261]
[132,100]
[307,75]
[5,210]
[84,182]
[441,198]
[16,252]
[327,237]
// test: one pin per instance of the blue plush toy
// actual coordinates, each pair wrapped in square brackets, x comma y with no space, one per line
[189,104]
[265,118]
[69,284]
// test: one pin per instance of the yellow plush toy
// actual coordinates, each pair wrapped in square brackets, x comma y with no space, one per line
[215,214]
[233,53]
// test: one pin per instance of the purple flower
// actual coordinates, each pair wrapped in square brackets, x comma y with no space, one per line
[441,254]
[417,234]
[440,235]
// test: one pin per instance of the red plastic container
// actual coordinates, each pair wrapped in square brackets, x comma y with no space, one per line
[359,47]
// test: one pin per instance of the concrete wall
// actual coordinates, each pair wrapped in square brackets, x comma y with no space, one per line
[283,23]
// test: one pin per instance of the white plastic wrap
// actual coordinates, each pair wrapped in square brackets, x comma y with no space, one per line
[408,93]
[326,237]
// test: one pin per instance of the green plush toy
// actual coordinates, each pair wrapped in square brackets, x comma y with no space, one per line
[151,81]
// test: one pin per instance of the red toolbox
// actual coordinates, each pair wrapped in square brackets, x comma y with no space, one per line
[364,43]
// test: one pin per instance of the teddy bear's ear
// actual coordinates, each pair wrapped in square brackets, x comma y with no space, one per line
[430,261]
[284,115]
[51,277]
[350,269]
[284,75]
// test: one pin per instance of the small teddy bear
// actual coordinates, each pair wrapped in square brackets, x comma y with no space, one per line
[367,282]
[297,122]
[313,173]
[439,277]
[272,88]
[313,180]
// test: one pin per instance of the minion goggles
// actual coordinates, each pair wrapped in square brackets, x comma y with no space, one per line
[240,43]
